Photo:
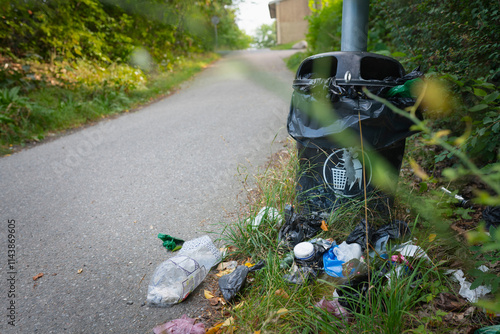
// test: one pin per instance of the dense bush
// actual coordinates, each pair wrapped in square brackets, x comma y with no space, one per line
[456,37]
[109,30]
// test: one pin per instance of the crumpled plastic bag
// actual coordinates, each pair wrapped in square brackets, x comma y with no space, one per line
[491,215]
[183,325]
[267,213]
[337,256]
[232,283]
[465,290]
[300,275]
[169,242]
[358,235]
[333,307]
[378,239]
[298,227]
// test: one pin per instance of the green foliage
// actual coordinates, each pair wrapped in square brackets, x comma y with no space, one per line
[472,115]
[109,30]
[325,27]
[265,36]
[456,37]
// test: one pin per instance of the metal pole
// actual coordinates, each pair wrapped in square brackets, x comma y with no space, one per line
[354,25]
[215,37]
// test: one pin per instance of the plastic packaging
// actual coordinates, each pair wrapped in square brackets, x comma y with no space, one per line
[232,283]
[174,279]
[336,256]
[491,215]
[300,227]
[472,295]
[170,243]
[184,325]
[304,251]
[269,213]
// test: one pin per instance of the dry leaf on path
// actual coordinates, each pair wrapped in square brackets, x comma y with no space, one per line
[40,275]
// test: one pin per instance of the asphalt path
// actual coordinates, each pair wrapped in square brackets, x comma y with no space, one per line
[85,209]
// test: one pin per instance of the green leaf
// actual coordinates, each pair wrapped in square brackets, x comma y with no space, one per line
[496,127]
[487,120]
[491,97]
[398,54]
[479,92]
[476,283]
[478,107]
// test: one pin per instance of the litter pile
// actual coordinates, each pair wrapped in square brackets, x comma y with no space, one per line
[390,249]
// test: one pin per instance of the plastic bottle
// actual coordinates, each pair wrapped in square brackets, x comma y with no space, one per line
[174,279]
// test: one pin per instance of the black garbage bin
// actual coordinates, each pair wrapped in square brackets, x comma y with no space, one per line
[328,105]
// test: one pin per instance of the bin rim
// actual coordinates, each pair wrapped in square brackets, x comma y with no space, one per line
[352,60]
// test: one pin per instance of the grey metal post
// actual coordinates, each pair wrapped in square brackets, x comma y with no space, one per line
[354,25]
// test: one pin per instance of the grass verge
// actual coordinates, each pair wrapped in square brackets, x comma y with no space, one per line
[37,100]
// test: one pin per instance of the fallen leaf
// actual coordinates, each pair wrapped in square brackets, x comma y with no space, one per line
[324,227]
[214,301]
[224,272]
[249,265]
[208,294]
[40,275]
[256,332]
[228,322]
[282,311]
[432,237]
[239,305]
[214,329]
[79,271]
[281,293]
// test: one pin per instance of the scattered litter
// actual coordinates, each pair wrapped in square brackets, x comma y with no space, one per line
[287,261]
[79,271]
[408,249]
[269,213]
[183,325]
[393,231]
[298,228]
[300,275]
[174,279]
[333,307]
[261,264]
[358,235]
[304,251]
[465,290]
[227,265]
[170,242]
[491,215]
[378,239]
[337,255]
[232,283]
[461,201]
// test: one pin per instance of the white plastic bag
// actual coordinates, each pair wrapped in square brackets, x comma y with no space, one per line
[346,252]
[174,279]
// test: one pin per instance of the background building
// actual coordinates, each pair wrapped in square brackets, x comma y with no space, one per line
[291,22]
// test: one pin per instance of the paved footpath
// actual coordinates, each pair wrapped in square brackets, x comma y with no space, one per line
[85,209]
